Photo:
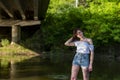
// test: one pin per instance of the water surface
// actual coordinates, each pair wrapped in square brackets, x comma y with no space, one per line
[37,69]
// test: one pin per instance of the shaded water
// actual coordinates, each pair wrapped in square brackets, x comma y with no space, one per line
[37,69]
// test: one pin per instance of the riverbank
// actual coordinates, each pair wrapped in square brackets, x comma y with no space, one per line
[16,52]
[19,53]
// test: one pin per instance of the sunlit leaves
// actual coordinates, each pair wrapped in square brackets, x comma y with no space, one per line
[100,21]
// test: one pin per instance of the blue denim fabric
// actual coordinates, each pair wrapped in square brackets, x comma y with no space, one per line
[81,60]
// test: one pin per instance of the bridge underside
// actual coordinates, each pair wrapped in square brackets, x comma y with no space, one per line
[21,13]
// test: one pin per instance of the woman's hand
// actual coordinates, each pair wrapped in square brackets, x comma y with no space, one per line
[90,68]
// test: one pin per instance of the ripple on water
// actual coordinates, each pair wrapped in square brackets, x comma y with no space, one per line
[58,77]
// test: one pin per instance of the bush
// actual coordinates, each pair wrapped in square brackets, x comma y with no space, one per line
[5,42]
[99,22]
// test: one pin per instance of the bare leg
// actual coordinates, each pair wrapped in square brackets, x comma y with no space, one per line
[85,73]
[74,72]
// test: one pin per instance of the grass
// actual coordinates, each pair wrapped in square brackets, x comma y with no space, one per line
[16,53]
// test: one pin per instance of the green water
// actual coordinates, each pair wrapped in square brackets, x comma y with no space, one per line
[37,69]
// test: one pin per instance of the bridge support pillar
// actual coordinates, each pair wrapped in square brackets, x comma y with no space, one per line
[16,34]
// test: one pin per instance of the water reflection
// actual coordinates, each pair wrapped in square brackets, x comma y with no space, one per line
[40,69]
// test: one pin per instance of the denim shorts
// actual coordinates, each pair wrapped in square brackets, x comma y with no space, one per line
[81,59]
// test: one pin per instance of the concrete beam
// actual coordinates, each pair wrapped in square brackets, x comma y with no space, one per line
[0,15]
[5,9]
[22,23]
[20,9]
[35,9]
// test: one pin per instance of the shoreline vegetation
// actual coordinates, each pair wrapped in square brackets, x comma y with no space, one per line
[16,53]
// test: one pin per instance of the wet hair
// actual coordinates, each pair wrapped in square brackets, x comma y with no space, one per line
[75,38]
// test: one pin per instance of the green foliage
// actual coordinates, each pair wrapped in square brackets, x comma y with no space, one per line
[4,63]
[60,27]
[5,42]
[100,21]
[58,5]
[34,43]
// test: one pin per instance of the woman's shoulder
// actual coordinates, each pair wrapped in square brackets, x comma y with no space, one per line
[89,40]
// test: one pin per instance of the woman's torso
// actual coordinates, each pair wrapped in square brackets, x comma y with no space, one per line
[82,47]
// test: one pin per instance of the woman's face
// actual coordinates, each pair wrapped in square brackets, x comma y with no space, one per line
[79,34]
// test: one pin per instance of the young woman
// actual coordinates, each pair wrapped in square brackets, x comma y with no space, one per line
[84,54]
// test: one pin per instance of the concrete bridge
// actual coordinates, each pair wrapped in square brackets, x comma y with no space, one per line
[21,13]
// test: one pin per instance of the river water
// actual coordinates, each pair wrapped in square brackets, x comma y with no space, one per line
[44,69]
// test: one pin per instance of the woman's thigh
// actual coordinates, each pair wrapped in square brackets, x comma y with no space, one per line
[75,70]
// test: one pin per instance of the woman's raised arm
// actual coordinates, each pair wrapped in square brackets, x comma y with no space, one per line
[69,42]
